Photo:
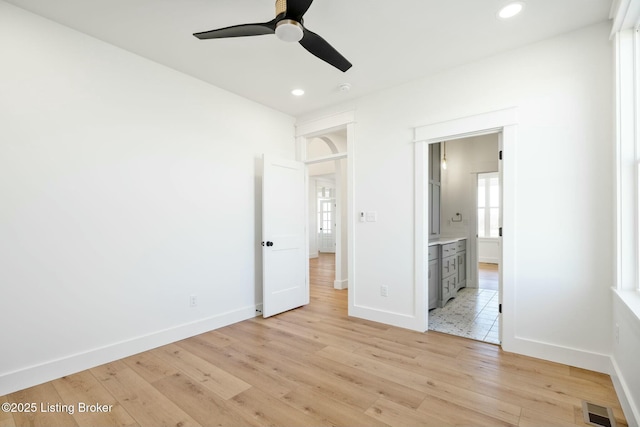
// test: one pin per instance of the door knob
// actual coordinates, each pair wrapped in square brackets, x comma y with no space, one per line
[269,244]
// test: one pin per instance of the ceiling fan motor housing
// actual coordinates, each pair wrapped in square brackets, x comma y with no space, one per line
[289,30]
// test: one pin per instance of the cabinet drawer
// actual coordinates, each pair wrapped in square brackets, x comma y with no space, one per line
[449,287]
[433,252]
[449,265]
[461,245]
[448,249]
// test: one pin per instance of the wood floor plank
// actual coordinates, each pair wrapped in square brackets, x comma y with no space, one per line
[239,365]
[328,411]
[206,374]
[141,400]
[213,338]
[300,373]
[530,418]
[431,342]
[448,412]
[6,419]
[318,336]
[551,384]
[383,388]
[441,389]
[397,415]
[84,387]
[49,410]
[508,388]
[293,342]
[266,410]
[205,406]
[149,366]
[7,422]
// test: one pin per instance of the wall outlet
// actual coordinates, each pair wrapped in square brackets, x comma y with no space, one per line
[193,300]
[384,291]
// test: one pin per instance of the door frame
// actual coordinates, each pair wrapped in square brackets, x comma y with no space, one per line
[505,123]
[316,128]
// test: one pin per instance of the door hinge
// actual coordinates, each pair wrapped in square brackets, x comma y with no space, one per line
[499,308]
[500,155]
[500,232]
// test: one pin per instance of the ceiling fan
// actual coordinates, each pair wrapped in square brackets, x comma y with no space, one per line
[287,26]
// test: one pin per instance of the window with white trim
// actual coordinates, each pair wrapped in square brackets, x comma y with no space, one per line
[488,204]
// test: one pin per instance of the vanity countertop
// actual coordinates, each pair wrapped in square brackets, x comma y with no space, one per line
[445,240]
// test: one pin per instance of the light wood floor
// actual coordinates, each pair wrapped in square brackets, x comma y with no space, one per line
[315,366]
[488,276]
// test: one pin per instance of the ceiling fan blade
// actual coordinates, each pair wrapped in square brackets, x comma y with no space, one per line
[297,8]
[243,30]
[323,50]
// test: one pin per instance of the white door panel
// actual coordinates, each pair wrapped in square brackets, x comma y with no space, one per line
[283,230]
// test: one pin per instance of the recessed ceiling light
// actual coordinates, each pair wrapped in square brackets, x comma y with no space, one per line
[297,92]
[510,10]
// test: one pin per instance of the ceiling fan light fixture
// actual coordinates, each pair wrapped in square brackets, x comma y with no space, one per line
[289,30]
[510,10]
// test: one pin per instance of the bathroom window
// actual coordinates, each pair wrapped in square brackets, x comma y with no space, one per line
[488,204]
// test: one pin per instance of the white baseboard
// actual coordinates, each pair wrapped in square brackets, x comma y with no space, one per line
[388,318]
[28,377]
[559,354]
[629,407]
[341,284]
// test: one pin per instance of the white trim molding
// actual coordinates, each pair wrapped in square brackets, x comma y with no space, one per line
[315,128]
[324,125]
[503,121]
[480,124]
[625,15]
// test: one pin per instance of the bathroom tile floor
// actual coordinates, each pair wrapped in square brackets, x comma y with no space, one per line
[473,313]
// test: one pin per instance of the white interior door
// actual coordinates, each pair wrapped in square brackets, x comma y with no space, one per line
[284,282]
[326,220]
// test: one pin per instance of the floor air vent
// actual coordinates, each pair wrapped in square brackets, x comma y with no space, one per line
[597,415]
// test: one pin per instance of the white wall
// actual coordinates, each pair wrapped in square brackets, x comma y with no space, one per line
[563,91]
[126,187]
[489,250]
[465,159]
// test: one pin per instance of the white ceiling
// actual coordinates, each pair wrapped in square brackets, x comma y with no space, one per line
[388,42]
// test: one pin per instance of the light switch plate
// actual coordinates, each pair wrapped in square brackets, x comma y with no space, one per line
[372,216]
